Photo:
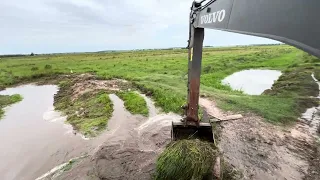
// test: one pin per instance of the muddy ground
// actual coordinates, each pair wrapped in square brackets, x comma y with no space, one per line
[263,151]
[258,149]
[128,148]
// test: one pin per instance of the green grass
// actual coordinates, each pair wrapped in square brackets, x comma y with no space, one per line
[186,159]
[284,102]
[134,103]
[69,165]
[89,113]
[6,100]
[163,74]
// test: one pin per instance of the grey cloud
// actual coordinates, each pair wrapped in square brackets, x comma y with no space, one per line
[83,15]
[83,25]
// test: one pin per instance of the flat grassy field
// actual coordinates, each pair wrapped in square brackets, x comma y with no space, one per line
[163,74]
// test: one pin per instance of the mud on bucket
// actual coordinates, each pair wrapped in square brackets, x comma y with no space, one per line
[181,131]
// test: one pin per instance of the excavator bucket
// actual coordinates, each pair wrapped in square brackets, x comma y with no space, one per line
[191,127]
[181,131]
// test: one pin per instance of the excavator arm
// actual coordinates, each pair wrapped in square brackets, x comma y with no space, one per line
[293,22]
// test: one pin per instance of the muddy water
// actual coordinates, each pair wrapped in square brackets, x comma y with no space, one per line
[127,150]
[132,157]
[252,82]
[119,126]
[312,115]
[33,137]
[35,140]
[144,132]
[150,104]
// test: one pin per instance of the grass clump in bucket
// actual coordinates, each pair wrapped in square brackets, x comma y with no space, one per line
[187,159]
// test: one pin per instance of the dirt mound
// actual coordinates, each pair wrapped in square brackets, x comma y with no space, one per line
[260,150]
[131,158]
[264,151]
[124,162]
[87,83]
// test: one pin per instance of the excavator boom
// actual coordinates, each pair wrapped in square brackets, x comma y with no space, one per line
[294,22]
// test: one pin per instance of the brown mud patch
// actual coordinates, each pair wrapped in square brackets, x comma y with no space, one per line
[263,151]
[86,83]
[128,148]
[131,157]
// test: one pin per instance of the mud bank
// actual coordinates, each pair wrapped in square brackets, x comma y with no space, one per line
[258,150]
[33,129]
[128,150]
[263,151]
[130,144]
[312,115]
[85,101]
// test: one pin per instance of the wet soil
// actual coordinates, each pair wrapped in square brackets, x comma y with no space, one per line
[312,115]
[128,150]
[264,151]
[129,147]
[88,85]
[259,150]
[40,141]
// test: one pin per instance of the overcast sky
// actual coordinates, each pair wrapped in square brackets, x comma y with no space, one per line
[46,26]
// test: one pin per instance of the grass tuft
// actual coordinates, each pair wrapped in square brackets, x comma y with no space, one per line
[186,159]
[134,103]
[89,113]
[6,100]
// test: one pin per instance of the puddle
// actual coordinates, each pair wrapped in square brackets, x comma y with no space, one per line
[312,115]
[33,137]
[252,82]
[150,104]
[120,124]
[128,150]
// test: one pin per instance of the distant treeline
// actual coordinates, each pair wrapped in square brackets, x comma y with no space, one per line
[112,51]
[276,44]
[174,48]
[13,55]
[16,55]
